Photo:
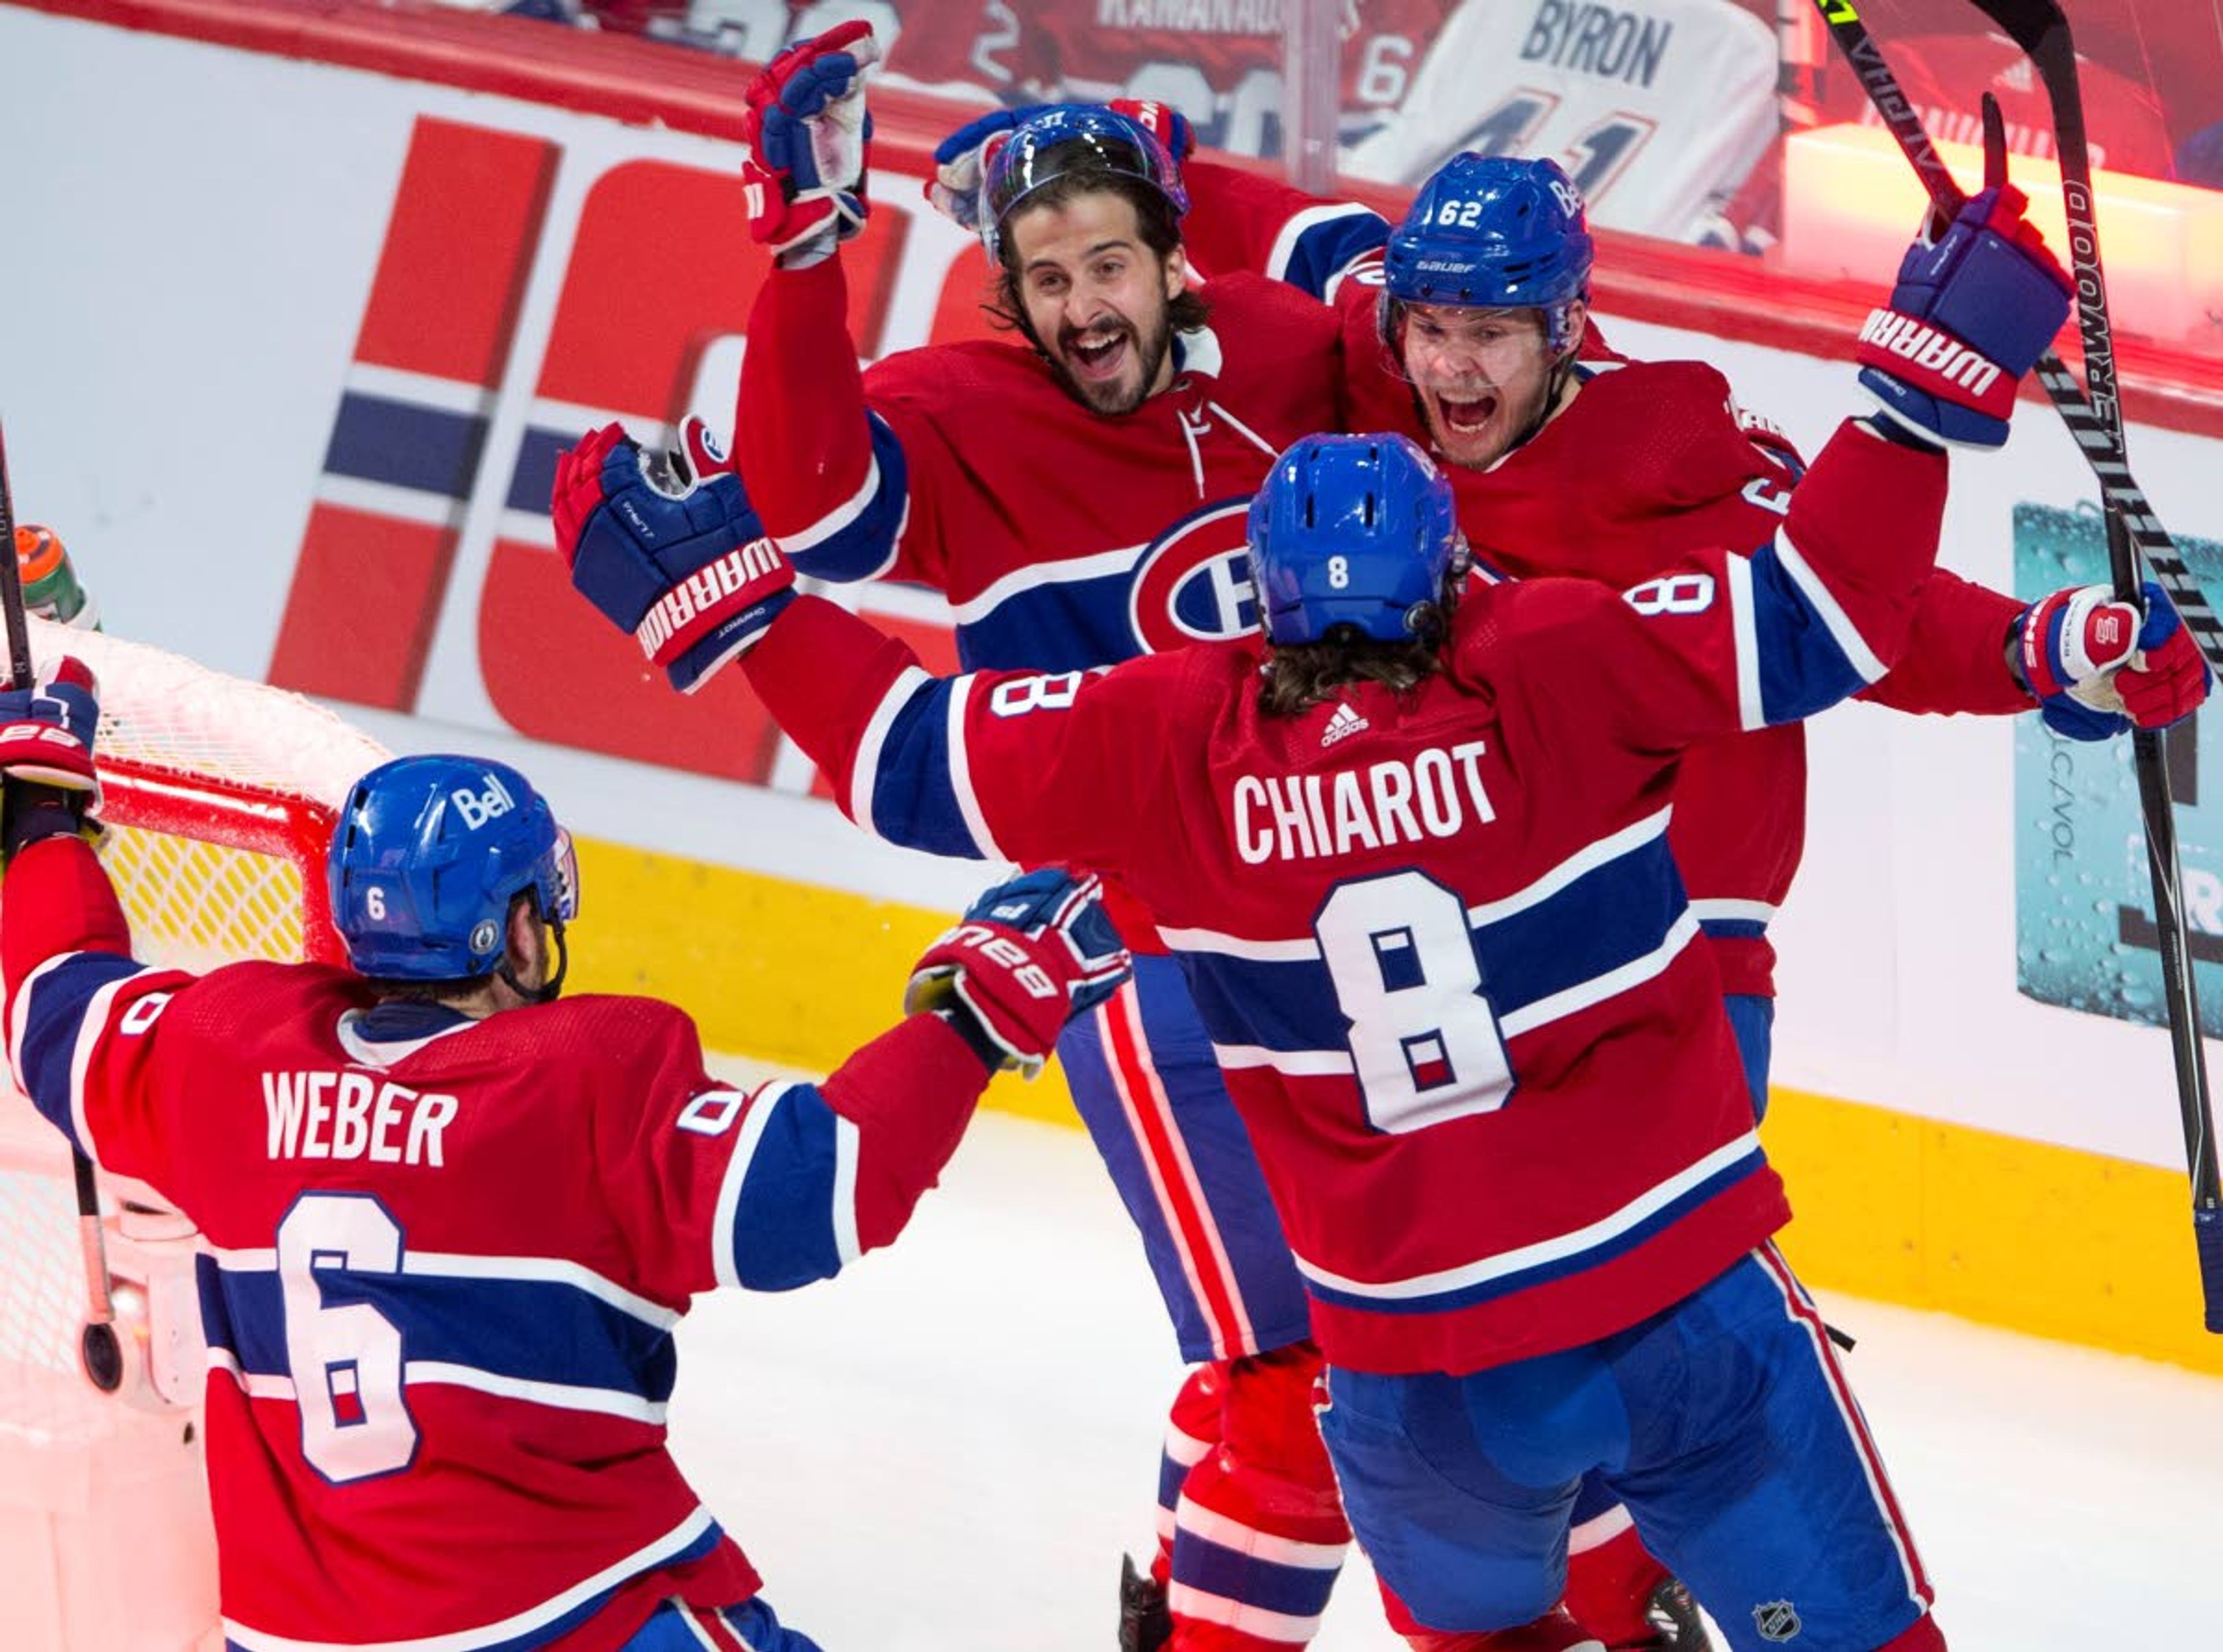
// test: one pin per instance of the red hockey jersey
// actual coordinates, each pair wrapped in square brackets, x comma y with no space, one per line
[440,1273]
[1437,938]
[1652,460]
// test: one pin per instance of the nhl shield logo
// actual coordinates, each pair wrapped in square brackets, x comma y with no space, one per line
[1777,1621]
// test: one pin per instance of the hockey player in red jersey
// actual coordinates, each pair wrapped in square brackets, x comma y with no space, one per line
[1077,495]
[1477,341]
[450,1220]
[1410,846]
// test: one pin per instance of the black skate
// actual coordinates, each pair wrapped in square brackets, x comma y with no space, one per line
[1145,1625]
[1676,1625]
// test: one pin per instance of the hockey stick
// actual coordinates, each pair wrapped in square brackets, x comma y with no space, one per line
[2095,424]
[2040,29]
[102,1355]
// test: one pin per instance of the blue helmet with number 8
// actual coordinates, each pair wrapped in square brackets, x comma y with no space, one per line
[426,857]
[1492,232]
[1356,530]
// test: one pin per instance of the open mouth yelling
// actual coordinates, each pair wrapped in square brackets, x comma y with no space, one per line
[1098,355]
[1465,418]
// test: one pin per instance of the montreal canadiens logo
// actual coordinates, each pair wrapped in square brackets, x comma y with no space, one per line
[1194,584]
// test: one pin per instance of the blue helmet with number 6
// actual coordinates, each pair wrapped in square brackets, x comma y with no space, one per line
[1356,530]
[426,857]
[1490,232]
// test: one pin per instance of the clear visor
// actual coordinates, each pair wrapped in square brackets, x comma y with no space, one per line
[1028,162]
[562,899]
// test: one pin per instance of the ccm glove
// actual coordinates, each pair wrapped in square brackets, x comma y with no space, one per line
[667,548]
[2099,668]
[1971,314]
[1029,955]
[810,144]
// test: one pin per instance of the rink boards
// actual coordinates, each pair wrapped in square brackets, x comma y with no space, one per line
[318,300]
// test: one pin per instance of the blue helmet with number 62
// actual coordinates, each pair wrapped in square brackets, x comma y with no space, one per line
[1353,530]
[426,857]
[1492,232]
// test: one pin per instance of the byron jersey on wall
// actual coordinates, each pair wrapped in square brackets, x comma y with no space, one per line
[1656,107]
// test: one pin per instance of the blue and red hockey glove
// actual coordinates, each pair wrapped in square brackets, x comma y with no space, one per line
[960,161]
[666,545]
[45,754]
[810,144]
[2099,668]
[1971,314]
[1029,955]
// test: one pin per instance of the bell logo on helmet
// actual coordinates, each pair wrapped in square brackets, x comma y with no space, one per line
[478,808]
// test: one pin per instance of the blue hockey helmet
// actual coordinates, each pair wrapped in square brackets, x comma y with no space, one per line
[1490,232]
[1356,530]
[427,856]
[1074,138]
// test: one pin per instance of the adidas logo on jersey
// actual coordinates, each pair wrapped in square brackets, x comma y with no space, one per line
[1341,726]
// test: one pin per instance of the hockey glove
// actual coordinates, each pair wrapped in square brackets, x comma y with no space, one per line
[960,161]
[667,548]
[810,144]
[46,753]
[2098,669]
[1971,314]
[1030,955]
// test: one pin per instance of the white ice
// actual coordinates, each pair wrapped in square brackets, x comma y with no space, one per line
[946,1450]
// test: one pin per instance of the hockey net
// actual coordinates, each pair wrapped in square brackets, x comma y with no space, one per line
[218,796]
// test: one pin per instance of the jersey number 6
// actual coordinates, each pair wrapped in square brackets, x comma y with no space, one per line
[346,1361]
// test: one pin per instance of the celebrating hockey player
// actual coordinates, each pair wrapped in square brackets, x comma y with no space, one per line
[451,1221]
[1079,497]
[1411,846]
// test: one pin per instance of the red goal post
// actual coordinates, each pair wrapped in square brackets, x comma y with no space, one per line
[219,797]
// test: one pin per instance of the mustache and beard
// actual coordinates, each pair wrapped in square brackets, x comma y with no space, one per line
[1110,365]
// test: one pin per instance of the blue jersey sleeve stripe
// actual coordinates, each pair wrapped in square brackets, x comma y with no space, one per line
[1317,247]
[922,787]
[960,772]
[857,539]
[1806,583]
[784,1231]
[1744,622]
[865,772]
[760,1107]
[846,1142]
[61,1010]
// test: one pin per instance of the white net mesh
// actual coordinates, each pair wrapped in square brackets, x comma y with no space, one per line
[218,796]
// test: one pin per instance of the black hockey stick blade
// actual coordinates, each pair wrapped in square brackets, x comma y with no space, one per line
[102,1355]
[2027,22]
[2101,448]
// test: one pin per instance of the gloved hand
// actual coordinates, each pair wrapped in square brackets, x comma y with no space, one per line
[1971,314]
[1162,121]
[2098,668]
[960,161]
[45,754]
[666,545]
[810,144]
[1030,954]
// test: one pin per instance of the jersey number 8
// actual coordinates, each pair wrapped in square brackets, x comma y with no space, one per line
[1425,1043]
